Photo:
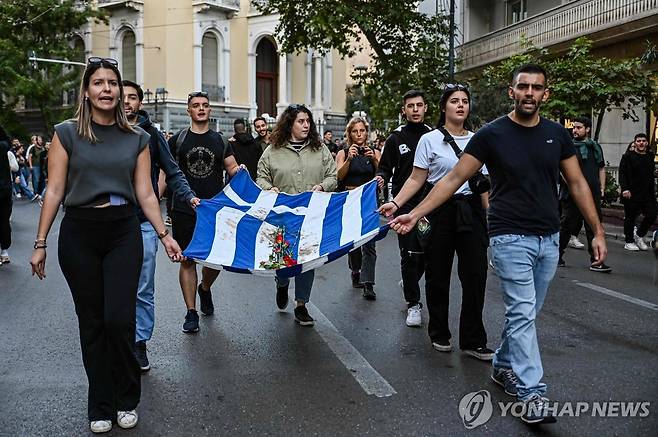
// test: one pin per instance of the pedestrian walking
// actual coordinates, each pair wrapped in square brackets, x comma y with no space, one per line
[524,154]
[8,164]
[637,184]
[456,227]
[100,169]
[396,165]
[296,161]
[357,164]
[161,161]
[246,149]
[202,155]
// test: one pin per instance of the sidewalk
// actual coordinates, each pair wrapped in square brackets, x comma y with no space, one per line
[613,222]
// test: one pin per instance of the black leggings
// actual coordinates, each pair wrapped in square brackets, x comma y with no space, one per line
[5,214]
[471,249]
[100,253]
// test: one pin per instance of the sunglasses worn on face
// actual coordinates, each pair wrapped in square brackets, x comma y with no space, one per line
[455,86]
[95,60]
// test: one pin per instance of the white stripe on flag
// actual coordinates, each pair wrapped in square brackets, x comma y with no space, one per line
[263,205]
[351,220]
[311,231]
[231,194]
[264,241]
[224,241]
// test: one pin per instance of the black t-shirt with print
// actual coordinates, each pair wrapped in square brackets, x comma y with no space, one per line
[524,165]
[201,159]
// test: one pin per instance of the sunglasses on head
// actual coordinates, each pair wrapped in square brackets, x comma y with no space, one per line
[95,60]
[296,107]
[190,96]
[455,86]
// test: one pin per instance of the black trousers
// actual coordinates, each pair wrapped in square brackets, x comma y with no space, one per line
[632,209]
[100,253]
[471,249]
[412,267]
[5,213]
[571,222]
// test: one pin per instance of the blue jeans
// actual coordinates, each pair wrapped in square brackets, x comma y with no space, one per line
[145,314]
[303,285]
[36,178]
[21,186]
[525,265]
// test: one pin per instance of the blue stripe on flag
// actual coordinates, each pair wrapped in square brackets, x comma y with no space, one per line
[206,218]
[332,224]
[291,222]
[242,183]
[245,244]
[369,214]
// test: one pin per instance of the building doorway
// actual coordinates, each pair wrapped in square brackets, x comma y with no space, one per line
[266,77]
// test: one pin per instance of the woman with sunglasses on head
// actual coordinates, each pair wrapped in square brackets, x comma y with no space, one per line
[296,161]
[459,226]
[357,164]
[99,166]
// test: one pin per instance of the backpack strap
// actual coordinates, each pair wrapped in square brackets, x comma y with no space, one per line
[179,142]
[447,138]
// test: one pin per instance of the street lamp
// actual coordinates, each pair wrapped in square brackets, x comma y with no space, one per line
[160,96]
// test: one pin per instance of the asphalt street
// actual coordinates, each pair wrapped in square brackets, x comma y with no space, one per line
[360,371]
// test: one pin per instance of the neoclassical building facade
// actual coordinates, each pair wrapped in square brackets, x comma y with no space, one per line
[224,47]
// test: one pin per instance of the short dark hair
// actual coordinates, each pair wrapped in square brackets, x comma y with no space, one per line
[584,120]
[328,131]
[531,69]
[239,121]
[140,91]
[259,119]
[641,135]
[413,93]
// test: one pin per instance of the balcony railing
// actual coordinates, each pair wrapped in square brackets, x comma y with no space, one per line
[137,5]
[554,26]
[222,5]
[215,93]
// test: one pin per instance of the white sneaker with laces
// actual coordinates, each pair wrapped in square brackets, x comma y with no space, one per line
[414,316]
[575,243]
[632,247]
[100,426]
[127,419]
[639,242]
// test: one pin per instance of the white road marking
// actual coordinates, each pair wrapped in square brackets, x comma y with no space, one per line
[370,380]
[618,295]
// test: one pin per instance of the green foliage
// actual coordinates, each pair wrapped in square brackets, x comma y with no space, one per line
[580,83]
[409,48]
[611,191]
[47,28]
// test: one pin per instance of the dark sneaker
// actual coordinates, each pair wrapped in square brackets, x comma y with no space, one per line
[369,292]
[561,263]
[442,345]
[142,358]
[282,297]
[536,410]
[602,268]
[205,297]
[507,379]
[302,317]
[481,353]
[356,279]
[191,324]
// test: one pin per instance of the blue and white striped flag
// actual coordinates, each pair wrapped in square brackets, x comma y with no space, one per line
[236,229]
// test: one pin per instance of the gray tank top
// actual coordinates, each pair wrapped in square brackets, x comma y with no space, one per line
[102,168]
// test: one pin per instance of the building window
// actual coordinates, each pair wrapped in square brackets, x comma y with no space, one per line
[210,67]
[128,58]
[267,73]
[516,11]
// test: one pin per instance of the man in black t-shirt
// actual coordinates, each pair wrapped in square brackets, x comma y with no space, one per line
[396,164]
[202,155]
[592,164]
[524,154]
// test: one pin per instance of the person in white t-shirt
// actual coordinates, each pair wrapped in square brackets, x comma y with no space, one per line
[458,226]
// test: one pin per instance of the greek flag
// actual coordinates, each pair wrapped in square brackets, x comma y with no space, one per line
[244,228]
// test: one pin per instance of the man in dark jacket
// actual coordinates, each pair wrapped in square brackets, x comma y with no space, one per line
[161,160]
[636,179]
[397,163]
[246,149]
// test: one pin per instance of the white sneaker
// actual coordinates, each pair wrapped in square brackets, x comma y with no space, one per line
[631,246]
[127,419]
[100,426]
[401,284]
[575,243]
[413,316]
[639,242]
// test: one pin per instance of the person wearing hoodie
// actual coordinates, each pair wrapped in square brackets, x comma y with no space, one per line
[246,149]
[161,160]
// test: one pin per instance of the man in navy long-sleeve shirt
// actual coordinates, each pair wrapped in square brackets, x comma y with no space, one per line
[161,160]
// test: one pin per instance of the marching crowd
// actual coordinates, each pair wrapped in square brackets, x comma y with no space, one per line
[454,192]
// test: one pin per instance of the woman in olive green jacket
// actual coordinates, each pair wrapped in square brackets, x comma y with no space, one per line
[296,161]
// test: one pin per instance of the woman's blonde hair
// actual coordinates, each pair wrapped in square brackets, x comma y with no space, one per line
[350,125]
[83,113]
